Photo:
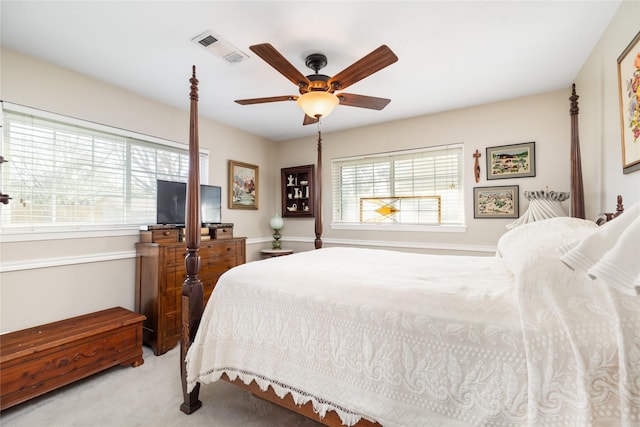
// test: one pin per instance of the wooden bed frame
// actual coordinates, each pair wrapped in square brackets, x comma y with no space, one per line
[192,291]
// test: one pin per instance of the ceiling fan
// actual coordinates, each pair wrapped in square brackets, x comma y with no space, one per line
[321,86]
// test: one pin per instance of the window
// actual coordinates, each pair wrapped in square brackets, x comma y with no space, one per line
[63,172]
[422,186]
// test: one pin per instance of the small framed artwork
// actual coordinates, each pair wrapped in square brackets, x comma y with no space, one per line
[511,161]
[629,93]
[496,202]
[243,185]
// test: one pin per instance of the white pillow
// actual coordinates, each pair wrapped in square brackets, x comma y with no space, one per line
[522,245]
[593,247]
[620,266]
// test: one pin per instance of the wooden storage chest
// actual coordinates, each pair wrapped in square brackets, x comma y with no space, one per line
[40,359]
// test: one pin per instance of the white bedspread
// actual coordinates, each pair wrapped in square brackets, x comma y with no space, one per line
[418,340]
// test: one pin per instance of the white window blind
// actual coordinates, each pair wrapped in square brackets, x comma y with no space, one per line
[399,180]
[66,172]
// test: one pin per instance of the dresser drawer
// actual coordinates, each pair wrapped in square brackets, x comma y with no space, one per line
[164,236]
[217,265]
[207,250]
[217,250]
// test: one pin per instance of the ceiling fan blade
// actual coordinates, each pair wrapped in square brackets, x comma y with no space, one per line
[272,57]
[309,120]
[362,101]
[371,63]
[263,100]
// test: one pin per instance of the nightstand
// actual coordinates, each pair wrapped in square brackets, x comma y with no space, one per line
[271,253]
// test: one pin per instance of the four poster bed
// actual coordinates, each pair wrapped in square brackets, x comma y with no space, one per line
[398,339]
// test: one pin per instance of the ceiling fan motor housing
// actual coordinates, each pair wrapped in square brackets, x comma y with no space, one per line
[318,82]
[316,61]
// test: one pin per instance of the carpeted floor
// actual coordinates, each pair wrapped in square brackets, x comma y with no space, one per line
[149,395]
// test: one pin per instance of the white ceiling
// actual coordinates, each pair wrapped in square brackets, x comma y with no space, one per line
[452,54]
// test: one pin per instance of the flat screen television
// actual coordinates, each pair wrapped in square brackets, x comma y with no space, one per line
[171,200]
[210,204]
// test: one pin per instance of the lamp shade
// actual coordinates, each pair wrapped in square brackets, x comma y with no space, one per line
[317,103]
[276,222]
[542,205]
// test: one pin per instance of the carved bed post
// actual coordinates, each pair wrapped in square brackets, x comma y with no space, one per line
[318,201]
[577,193]
[192,291]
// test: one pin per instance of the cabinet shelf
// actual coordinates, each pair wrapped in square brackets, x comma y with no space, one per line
[298,191]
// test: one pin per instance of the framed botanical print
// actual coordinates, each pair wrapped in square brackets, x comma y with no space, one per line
[629,94]
[496,202]
[243,185]
[511,161]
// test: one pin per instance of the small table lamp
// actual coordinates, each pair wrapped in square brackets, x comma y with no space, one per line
[276,224]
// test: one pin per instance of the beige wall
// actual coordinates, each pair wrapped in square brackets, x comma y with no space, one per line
[44,278]
[47,280]
[600,132]
[542,118]
[37,84]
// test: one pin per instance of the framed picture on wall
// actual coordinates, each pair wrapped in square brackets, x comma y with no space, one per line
[629,94]
[496,202]
[511,161]
[243,185]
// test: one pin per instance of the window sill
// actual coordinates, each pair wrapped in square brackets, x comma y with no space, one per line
[399,227]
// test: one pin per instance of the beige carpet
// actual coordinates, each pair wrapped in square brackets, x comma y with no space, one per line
[149,395]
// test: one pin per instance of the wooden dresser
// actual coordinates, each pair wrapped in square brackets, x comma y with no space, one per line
[160,273]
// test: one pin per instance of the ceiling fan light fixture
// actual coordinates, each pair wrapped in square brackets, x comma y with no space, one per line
[317,104]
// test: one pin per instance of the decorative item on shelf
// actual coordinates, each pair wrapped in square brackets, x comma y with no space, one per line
[276,224]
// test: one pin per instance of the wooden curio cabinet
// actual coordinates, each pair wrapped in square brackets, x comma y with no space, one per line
[298,191]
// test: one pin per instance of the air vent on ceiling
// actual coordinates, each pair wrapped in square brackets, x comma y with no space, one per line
[220,47]
[208,41]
